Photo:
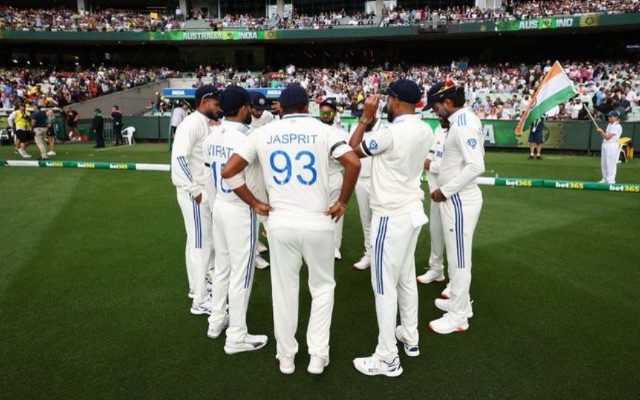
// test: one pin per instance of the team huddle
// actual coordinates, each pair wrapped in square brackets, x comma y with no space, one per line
[295,174]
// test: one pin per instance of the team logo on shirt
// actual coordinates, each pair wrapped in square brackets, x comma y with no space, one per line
[373,145]
[472,143]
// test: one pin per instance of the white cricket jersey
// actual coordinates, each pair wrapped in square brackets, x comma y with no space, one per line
[219,146]
[336,170]
[294,154]
[264,119]
[365,163]
[616,129]
[435,155]
[463,156]
[188,172]
[398,153]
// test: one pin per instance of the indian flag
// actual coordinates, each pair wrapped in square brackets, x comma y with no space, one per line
[555,88]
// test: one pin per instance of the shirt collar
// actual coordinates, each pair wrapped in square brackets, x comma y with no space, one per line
[404,117]
[296,116]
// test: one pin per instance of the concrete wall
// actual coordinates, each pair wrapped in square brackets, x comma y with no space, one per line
[132,101]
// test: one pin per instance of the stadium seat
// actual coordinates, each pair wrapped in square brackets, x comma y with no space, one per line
[127,134]
[624,144]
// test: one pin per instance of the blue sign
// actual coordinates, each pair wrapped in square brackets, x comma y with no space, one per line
[175,93]
[190,93]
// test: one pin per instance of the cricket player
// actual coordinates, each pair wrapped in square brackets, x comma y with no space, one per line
[459,197]
[435,272]
[259,114]
[363,189]
[294,155]
[610,152]
[328,110]
[235,227]
[397,156]
[192,180]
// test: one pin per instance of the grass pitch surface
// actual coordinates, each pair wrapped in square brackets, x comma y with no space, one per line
[93,295]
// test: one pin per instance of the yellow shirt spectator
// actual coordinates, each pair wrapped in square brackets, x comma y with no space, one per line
[22,121]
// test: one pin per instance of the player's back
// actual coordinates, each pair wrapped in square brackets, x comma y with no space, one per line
[294,155]
[396,172]
[219,146]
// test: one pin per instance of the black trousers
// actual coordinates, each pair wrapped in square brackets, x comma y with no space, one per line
[117,131]
[99,138]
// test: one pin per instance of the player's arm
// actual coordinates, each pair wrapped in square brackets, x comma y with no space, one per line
[180,170]
[351,163]
[470,144]
[368,114]
[233,175]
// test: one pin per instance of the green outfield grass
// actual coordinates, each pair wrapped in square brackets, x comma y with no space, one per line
[93,295]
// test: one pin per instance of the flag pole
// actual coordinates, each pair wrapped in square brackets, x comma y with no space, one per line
[591,116]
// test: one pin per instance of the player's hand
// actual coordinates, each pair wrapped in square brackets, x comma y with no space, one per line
[261,208]
[198,198]
[371,106]
[336,210]
[601,131]
[437,196]
[427,164]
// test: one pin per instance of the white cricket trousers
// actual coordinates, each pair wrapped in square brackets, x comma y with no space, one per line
[288,248]
[337,228]
[235,234]
[459,215]
[393,277]
[363,189]
[436,257]
[197,222]
[609,161]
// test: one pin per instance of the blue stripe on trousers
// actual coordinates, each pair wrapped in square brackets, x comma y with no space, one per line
[252,249]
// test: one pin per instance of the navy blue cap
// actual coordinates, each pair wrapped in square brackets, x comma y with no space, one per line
[613,113]
[405,90]
[330,102]
[206,91]
[438,92]
[358,110]
[293,95]
[258,100]
[233,97]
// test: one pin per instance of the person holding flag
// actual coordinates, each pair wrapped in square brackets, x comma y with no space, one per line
[555,88]
[609,153]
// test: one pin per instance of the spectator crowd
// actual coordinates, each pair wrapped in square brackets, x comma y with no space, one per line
[112,20]
[52,88]
[499,91]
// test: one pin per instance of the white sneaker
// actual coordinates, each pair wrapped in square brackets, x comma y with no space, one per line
[375,366]
[410,350]
[191,295]
[250,343]
[317,365]
[287,365]
[215,330]
[337,255]
[24,154]
[446,293]
[364,263]
[51,153]
[444,304]
[602,181]
[446,324]
[261,263]
[261,247]
[431,275]
[201,308]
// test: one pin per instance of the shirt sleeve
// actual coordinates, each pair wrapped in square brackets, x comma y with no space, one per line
[337,145]
[248,150]
[378,142]
[180,169]
[616,130]
[470,143]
